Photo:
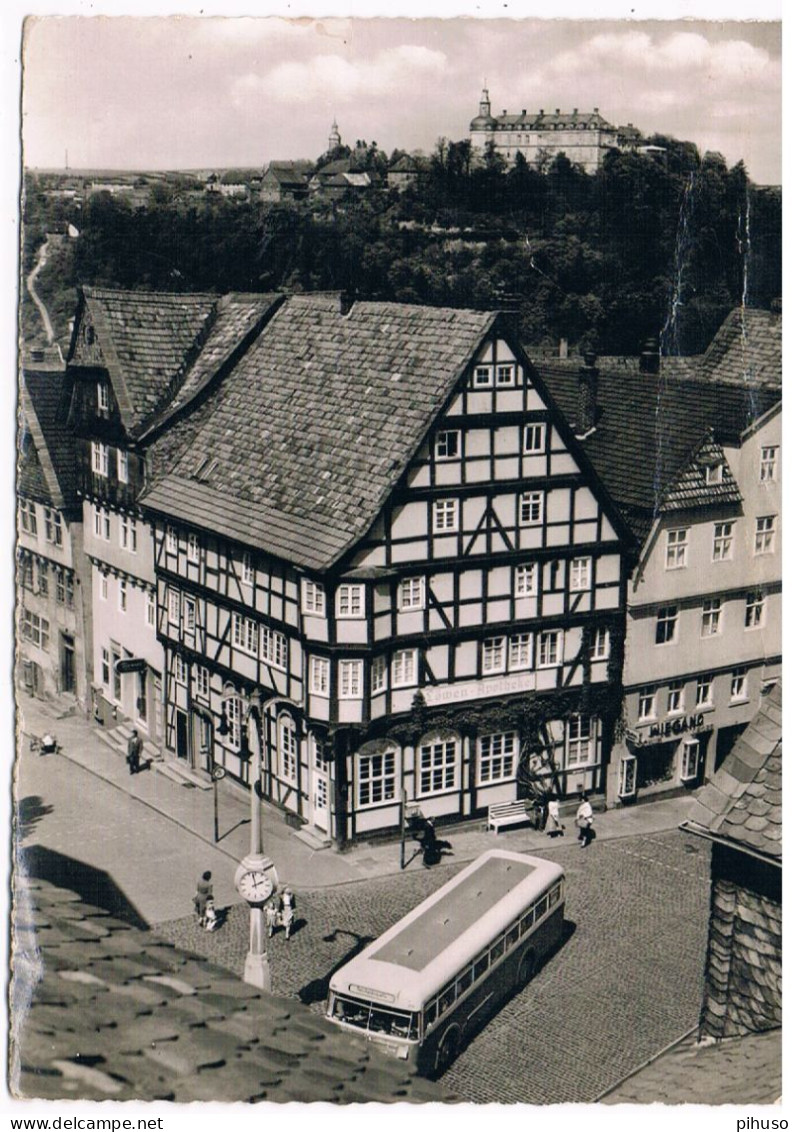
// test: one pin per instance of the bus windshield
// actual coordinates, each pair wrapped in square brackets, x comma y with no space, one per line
[375,1019]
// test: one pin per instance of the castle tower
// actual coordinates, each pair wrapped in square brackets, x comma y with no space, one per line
[483,126]
[334,140]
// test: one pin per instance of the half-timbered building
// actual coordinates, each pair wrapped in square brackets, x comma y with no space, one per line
[381,556]
[135,360]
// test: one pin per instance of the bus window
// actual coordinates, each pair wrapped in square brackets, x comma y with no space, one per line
[464,982]
[527,921]
[481,965]
[353,1013]
[446,999]
[497,951]
[430,1015]
[513,934]
[556,895]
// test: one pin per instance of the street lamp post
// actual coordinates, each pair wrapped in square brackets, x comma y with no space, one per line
[256,876]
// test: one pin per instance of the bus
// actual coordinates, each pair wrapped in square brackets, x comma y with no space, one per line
[432,979]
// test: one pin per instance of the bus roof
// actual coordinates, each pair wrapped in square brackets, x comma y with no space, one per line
[428,946]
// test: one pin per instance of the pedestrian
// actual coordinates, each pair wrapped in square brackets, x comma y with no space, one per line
[209,920]
[48,744]
[584,821]
[287,911]
[134,746]
[203,894]
[272,915]
[553,824]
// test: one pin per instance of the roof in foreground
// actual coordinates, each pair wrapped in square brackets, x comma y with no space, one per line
[118,1014]
[737,1071]
[741,803]
[315,424]
[47,470]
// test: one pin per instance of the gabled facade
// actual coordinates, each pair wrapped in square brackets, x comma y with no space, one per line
[135,360]
[285,181]
[50,581]
[397,576]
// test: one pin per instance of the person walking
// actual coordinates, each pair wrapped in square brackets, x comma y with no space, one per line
[272,915]
[584,821]
[134,745]
[287,911]
[553,824]
[203,894]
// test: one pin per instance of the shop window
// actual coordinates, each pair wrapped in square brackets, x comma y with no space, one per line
[437,765]
[691,753]
[627,779]
[376,777]
[497,755]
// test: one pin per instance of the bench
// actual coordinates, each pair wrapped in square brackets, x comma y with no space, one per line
[506,813]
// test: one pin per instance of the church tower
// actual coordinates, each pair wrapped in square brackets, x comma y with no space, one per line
[334,140]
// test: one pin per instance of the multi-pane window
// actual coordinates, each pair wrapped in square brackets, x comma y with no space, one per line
[754,609]
[739,684]
[403,668]
[534,437]
[579,747]
[531,508]
[69,586]
[710,617]
[703,691]
[526,580]
[102,397]
[600,643]
[379,674]
[53,529]
[123,595]
[313,598]
[676,549]
[102,523]
[245,634]
[190,615]
[288,749]
[173,606]
[496,759]
[351,600]
[722,542]
[35,629]
[667,619]
[350,679]
[232,714]
[247,569]
[376,777]
[181,670]
[99,458]
[319,676]
[26,572]
[60,586]
[171,540]
[647,703]
[444,515]
[550,648]
[493,655]
[411,593]
[27,516]
[44,583]
[122,466]
[203,682]
[763,538]
[689,761]
[505,375]
[580,574]
[675,699]
[447,445]
[768,463]
[519,653]
[149,609]
[105,661]
[274,647]
[437,765]
[482,375]
[193,548]
[128,538]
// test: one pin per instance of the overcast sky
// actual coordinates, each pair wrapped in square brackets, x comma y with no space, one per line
[167,93]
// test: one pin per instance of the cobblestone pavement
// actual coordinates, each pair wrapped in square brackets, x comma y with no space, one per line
[625,984]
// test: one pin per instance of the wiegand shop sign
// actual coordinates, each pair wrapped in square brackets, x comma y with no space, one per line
[672,728]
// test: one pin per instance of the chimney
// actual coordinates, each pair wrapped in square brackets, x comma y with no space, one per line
[563,351]
[595,110]
[588,395]
[649,358]
[347,300]
[524,111]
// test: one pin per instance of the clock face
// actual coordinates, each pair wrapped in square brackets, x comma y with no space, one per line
[255,886]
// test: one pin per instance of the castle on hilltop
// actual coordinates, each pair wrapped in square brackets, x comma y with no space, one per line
[583,137]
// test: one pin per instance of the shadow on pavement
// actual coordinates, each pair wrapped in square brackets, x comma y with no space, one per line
[316,990]
[29,813]
[94,886]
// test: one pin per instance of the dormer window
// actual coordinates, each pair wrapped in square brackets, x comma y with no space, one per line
[714,473]
[99,458]
[103,404]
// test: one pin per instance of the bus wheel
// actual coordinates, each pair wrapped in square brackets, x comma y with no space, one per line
[448,1048]
[526,969]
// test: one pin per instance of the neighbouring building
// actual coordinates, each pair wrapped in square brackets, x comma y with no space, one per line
[404,172]
[739,810]
[50,581]
[584,137]
[383,563]
[134,355]
[285,181]
[692,456]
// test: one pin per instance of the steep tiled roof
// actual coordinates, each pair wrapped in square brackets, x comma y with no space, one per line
[746,349]
[649,425]
[103,1010]
[692,489]
[47,458]
[742,801]
[315,424]
[292,173]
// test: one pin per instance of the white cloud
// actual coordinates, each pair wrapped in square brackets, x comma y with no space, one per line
[249,31]
[333,78]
